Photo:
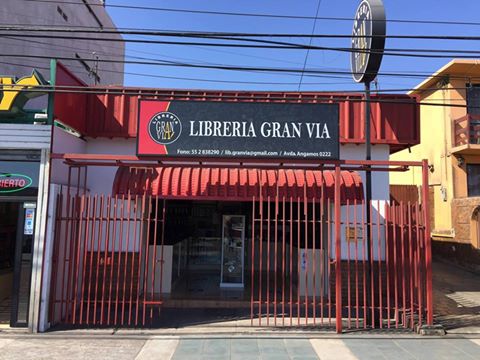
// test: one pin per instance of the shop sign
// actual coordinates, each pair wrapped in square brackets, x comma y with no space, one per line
[12,183]
[203,129]
[368,40]
[13,95]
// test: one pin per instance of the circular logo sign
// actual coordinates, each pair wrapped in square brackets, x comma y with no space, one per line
[164,128]
[368,40]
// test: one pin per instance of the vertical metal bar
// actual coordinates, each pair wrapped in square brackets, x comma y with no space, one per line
[136,241]
[77,262]
[154,259]
[276,256]
[357,306]
[324,259]
[314,261]
[347,226]
[85,252]
[105,262]
[119,262]
[428,245]
[112,261]
[147,258]
[329,251]
[307,265]
[395,268]
[100,237]
[338,253]
[387,257]
[139,241]
[371,285]
[364,266]
[402,244]
[299,260]
[162,249]
[291,261]
[66,246]
[268,259]
[379,253]
[283,260]
[260,304]
[252,280]
[418,265]
[410,258]
[127,243]
[93,234]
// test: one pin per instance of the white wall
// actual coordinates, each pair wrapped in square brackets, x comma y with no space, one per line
[100,179]
[64,142]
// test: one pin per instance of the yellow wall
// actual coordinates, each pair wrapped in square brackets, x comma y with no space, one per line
[435,145]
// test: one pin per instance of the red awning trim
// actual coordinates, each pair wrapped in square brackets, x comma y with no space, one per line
[234,184]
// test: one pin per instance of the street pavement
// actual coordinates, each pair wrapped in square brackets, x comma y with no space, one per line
[457,307]
[272,347]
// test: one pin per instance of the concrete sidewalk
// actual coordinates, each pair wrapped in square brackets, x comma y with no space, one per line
[119,347]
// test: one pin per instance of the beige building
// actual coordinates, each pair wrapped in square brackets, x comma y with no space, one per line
[450,140]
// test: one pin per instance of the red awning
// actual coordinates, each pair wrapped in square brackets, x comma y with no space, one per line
[234,184]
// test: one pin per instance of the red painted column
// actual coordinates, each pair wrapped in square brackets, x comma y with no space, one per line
[338,252]
[428,242]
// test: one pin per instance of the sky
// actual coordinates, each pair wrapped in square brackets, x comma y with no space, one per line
[195,78]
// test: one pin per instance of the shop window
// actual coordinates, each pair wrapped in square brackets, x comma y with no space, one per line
[473,99]
[473,179]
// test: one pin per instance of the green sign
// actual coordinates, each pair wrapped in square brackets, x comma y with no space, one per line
[10,183]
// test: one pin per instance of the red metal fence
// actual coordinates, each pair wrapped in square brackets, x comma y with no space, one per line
[310,264]
[103,273]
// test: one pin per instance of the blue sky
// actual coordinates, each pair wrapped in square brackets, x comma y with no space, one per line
[438,10]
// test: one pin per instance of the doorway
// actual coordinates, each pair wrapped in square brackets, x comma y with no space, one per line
[17,221]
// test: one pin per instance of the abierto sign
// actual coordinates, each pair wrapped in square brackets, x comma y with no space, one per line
[244,130]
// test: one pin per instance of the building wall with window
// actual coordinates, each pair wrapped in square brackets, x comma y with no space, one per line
[450,140]
[61,13]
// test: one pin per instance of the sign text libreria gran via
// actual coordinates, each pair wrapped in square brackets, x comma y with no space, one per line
[192,129]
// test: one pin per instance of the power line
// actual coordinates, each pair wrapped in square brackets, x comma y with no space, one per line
[244,14]
[422,53]
[286,96]
[229,35]
[309,44]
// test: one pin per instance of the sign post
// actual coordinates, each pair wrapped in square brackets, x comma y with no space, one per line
[368,44]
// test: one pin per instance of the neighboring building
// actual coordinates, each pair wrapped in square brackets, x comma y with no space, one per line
[62,13]
[450,140]
[26,121]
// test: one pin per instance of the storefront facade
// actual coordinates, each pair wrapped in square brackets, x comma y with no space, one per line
[25,138]
[181,200]
[251,208]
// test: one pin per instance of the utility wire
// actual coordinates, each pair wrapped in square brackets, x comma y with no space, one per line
[219,35]
[309,44]
[244,14]
[423,53]
[286,96]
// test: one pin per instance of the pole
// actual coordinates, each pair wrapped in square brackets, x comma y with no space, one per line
[368,198]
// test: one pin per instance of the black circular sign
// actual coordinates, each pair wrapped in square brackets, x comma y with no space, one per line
[368,40]
[164,127]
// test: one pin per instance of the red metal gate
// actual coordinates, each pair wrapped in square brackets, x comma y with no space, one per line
[310,263]
[107,260]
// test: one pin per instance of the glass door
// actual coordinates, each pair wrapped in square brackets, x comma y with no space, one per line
[23,264]
[233,238]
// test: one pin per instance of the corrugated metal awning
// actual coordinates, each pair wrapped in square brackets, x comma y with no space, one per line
[234,184]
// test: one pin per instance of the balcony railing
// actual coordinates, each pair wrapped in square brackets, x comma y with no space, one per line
[466,130]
